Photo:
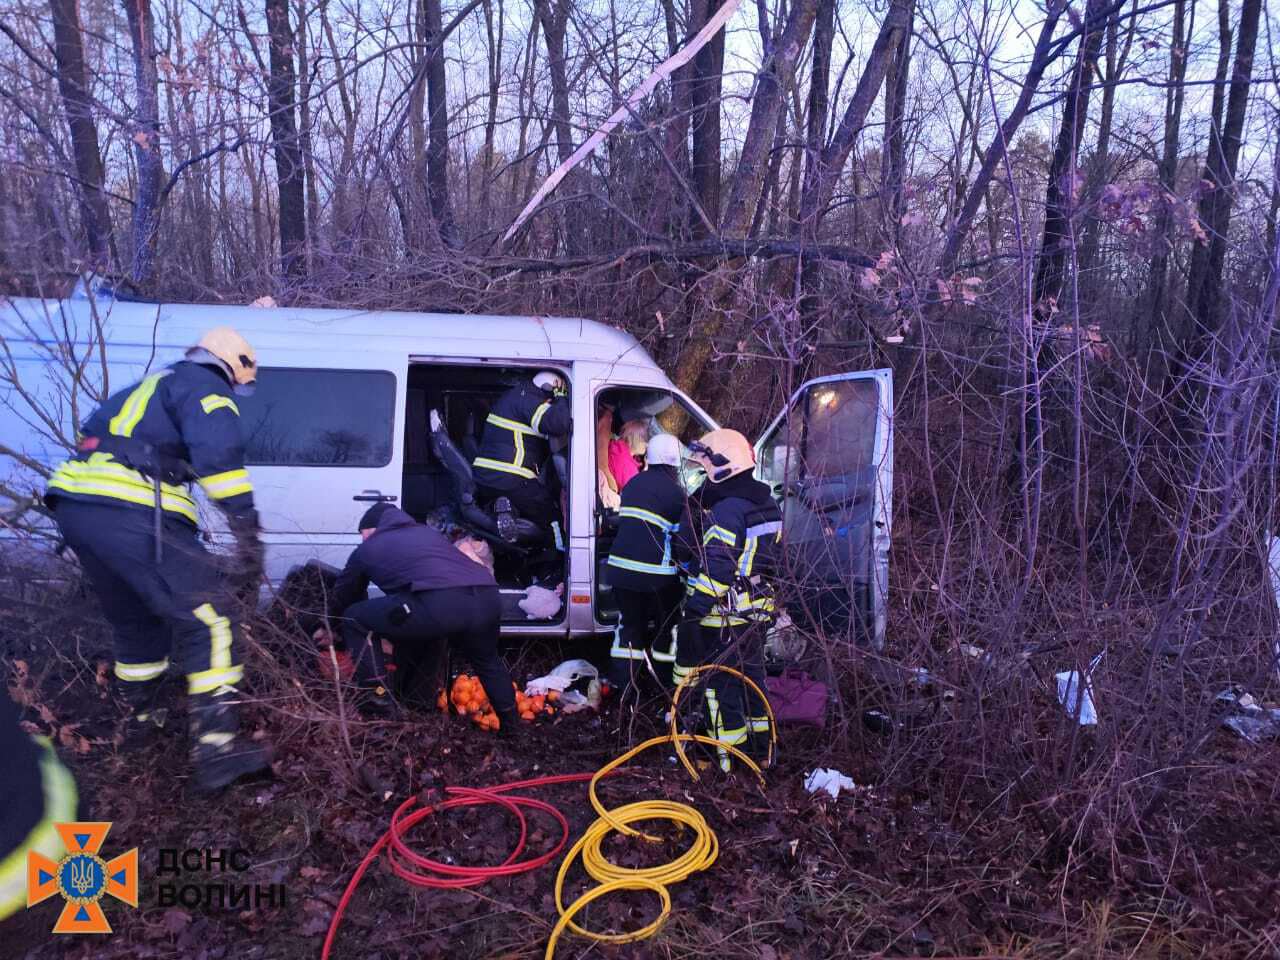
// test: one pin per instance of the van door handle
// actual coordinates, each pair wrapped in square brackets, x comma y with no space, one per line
[374,496]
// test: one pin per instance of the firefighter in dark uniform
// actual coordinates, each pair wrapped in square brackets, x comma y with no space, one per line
[433,594]
[36,791]
[515,446]
[124,505]
[642,566]
[729,603]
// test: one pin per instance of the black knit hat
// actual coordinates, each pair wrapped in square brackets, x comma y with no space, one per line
[371,516]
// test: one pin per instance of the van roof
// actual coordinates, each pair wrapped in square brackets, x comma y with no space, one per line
[418,334]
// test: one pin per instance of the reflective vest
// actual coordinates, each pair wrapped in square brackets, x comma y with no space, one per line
[516,431]
[641,559]
[175,426]
[729,579]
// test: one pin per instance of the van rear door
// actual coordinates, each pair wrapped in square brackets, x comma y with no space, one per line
[829,458]
[323,443]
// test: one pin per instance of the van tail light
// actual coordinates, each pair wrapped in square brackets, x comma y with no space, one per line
[580,598]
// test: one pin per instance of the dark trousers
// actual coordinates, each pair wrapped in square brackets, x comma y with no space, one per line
[183,604]
[645,622]
[420,624]
[532,499]
[735,712]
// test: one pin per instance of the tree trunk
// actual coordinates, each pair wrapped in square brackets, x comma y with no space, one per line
[1209,303]
[555,21]
[830,164]
[494,64]
[1060,196]
[1167,170]
[895,149]
[146,141]
[995,153]
[704,105]
[304,132]
[1099,163]
[438,127]
[284,138]
[819,89]
[73,85]
[773,80]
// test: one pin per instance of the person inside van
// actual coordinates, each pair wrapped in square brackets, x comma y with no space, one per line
[626,453]
[434,593]
[516,445]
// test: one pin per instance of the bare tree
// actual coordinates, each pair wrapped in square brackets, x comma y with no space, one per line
[1206,292]
[437,172]
[290,172]
[1063,187]
[77,104]
[146,142]
[1167,169]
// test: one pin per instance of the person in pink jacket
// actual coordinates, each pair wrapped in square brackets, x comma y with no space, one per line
[626,452]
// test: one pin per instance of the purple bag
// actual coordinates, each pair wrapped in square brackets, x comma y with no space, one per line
[797,698]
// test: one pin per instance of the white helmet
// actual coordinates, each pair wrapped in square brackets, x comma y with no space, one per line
[664,451]
[550,381]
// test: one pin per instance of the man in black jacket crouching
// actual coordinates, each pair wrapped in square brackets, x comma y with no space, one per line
[433,592]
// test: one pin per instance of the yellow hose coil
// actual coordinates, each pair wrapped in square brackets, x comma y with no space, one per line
[700,855]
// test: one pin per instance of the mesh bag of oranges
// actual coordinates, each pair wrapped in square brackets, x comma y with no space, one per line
[466,695]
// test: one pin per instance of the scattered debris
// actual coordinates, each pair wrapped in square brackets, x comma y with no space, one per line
[1075,692]
[577,682]
[1255,722]
[828,779]
[1263,725]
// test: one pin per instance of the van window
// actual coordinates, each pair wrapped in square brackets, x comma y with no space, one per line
[334,418]
[829,432]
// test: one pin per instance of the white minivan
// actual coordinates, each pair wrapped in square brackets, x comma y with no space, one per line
[344,411]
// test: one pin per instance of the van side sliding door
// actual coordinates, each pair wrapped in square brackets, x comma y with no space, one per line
[829,458]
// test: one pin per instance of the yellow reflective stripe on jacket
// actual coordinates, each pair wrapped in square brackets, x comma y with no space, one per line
[135,405]
[503,467]
[648,516]
[748,557]
[59,790]
[639,566]
[228,484]
[101,476]
[721,620]
[216,401]
[720,533]
[536,420]
[515,426]
[705,584]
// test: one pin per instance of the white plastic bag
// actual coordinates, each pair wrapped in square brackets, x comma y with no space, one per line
[539,603]
[1075,693]
[828,779]
[561,678]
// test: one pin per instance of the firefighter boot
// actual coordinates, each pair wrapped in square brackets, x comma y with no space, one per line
[145,718]
[220,753]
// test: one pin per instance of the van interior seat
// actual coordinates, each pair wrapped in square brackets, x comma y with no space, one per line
[471,438]
[528,535]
